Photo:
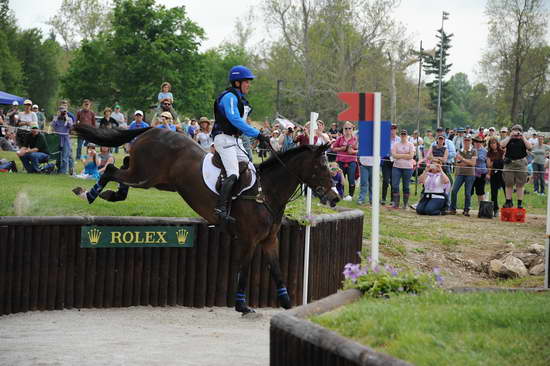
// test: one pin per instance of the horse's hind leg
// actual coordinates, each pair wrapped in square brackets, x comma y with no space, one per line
[122,191]
[96,190]
[270,248]
[247,252]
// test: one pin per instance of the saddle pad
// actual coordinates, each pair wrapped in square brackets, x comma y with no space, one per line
[210,174]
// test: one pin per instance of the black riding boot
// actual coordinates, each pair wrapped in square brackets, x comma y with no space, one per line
[224,200]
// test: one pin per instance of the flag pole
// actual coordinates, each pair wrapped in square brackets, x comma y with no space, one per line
[312,128]
[375,217]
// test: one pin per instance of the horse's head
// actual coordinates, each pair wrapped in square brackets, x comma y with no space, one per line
[316,175]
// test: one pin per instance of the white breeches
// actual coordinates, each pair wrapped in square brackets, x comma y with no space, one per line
[231,151]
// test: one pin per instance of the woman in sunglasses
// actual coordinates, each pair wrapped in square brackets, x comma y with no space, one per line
[346,148]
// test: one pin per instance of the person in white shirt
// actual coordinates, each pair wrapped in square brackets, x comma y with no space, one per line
[119,117]
[27,118]
[533,140]
[274,140]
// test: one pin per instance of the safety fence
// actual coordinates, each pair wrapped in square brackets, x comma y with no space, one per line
[43,267]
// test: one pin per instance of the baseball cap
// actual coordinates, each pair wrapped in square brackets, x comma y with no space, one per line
[517,127]
[117,106]
[28,101]
[441,137]
[34,125]
[15,102]
[467,137]
[204,119]
[403,132]
[138,112]
[504,129]
[492,128]
[166,115]
[34,106]
[440,129]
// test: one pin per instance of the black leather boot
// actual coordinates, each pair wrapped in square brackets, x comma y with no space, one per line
[224,200]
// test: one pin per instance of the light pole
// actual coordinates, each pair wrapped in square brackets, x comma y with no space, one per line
[444,17]
[279,82]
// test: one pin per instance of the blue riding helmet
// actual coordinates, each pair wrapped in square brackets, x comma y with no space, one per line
[240,72]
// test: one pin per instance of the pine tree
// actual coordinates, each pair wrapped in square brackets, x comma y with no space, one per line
[431,67]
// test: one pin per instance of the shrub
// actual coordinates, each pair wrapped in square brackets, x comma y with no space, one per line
[387,280]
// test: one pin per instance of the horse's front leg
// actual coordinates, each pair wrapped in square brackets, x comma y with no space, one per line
[270,248]
[247,252]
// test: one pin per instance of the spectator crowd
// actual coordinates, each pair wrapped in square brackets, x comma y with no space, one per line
[443,162]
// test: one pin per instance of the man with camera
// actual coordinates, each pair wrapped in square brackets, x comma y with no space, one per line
[515,164]
[62,125]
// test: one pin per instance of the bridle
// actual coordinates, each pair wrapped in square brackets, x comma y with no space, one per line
[319,190]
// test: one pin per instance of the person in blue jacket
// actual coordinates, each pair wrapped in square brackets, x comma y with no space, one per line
[231,110]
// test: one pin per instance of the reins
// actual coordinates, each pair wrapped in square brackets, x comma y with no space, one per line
[295,195]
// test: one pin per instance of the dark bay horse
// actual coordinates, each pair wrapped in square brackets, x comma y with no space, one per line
[171,161]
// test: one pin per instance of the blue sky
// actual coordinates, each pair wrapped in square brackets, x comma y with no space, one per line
[421,17]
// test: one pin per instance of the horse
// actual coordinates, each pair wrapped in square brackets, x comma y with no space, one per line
[171,161]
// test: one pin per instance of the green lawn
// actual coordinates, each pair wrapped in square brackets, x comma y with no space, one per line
[440,328]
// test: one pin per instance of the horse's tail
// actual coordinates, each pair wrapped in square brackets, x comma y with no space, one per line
[111,137]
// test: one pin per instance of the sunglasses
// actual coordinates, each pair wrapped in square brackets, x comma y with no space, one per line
[348,128]
[166,104]
[334,169]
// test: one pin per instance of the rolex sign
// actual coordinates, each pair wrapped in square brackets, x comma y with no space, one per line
[137,236]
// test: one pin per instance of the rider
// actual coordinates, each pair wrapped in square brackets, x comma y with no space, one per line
[231,110]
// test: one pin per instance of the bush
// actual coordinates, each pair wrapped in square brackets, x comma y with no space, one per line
[387,280]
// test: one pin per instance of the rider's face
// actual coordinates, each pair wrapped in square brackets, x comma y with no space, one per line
[245,86]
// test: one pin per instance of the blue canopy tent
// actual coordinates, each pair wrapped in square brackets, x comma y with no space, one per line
[6,98]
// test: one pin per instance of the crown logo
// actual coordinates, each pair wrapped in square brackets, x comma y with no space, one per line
[94,235]
[182,234]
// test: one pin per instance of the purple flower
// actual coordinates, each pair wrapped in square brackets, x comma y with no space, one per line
[376,269]
[353,271]
[437,275]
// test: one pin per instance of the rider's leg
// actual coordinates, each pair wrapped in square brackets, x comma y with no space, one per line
[231,151]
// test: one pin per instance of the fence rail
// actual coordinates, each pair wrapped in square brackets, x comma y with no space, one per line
[42,266]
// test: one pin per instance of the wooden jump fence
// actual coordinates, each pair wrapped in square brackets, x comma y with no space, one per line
[43,267]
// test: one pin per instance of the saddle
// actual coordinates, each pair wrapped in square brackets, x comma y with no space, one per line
[245,175]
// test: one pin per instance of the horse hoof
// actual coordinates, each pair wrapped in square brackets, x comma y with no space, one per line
[285,302]
[107,195]
[251,316]
[243,308]
[78,190]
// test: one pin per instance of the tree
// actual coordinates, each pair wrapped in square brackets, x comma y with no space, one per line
[39,66]
[78,20]
[323,47]
[148,44]
[431,67]
[516,28]
[11,75]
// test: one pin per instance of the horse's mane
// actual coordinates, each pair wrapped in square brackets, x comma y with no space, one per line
[285,156]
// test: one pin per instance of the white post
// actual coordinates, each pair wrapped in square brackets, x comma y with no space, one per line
[376,179]
[312,128]
[547,246]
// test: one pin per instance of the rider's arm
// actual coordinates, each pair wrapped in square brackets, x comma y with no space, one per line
[229,104]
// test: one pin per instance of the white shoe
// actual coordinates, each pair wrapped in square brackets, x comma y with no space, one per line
[347,198]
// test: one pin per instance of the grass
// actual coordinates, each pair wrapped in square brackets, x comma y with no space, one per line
[439,328]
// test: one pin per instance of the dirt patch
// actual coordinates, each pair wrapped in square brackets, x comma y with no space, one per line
[458,245]
[135,336]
